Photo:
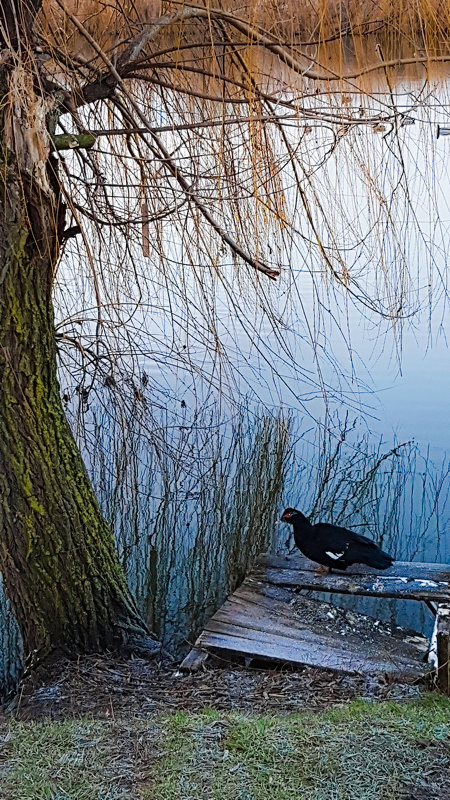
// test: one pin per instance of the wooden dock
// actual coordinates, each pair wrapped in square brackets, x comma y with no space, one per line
[258,620]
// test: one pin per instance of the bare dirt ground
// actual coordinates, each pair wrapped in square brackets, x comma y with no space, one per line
[106,688]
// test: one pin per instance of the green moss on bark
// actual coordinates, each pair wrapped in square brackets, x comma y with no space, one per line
[57,554]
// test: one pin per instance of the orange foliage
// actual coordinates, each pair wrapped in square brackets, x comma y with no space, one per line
[410,22]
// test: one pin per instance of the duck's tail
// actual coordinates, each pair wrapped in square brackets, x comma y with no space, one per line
[377,559]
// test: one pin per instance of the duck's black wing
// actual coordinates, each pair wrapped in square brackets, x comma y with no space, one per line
[344,547]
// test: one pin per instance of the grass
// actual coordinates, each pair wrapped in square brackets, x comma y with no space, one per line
[72,759]
[359,751]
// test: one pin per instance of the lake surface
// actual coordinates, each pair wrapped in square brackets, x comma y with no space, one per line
[366,393]
[192,463]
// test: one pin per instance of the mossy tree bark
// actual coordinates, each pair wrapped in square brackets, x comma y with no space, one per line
[57,555]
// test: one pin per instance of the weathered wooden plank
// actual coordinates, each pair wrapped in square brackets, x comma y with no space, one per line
[267,635]
[367,585]
[239,641]
[263,592]
[268,617]
[270,622]
[257,602]
[257,610]
[197,656]
[322,653]
[301,640]
[233,614]
[443,647]
[257,619]
[194,659]
[285,652]
[402,569]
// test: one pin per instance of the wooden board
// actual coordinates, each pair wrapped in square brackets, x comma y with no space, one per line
[194,659]
[443,647]
[404,569]
[254,623]
[410,581]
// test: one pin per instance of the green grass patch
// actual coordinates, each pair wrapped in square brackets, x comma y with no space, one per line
[359,751]
[362,751]
[71,760]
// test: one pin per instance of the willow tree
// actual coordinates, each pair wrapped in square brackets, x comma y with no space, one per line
[82,85]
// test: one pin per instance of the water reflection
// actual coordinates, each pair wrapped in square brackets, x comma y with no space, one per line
[187,528]
[346,354]
[192,513]
[399,497]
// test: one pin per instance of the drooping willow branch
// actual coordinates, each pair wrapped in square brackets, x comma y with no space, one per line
[160,151]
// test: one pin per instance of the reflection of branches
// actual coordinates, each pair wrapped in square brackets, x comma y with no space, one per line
[161,152]
[396,495]
[217,149]
[182,503]
[207,115]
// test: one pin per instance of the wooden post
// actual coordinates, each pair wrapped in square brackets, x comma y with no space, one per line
[443,647]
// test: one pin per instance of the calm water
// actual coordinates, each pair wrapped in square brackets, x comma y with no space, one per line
[190,478]
[354,383]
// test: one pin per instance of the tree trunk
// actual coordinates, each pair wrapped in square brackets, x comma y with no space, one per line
[57,556]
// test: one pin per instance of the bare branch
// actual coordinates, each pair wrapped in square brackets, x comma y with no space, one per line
[162,153]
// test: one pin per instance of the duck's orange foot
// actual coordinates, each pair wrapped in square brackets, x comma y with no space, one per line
[321,570]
